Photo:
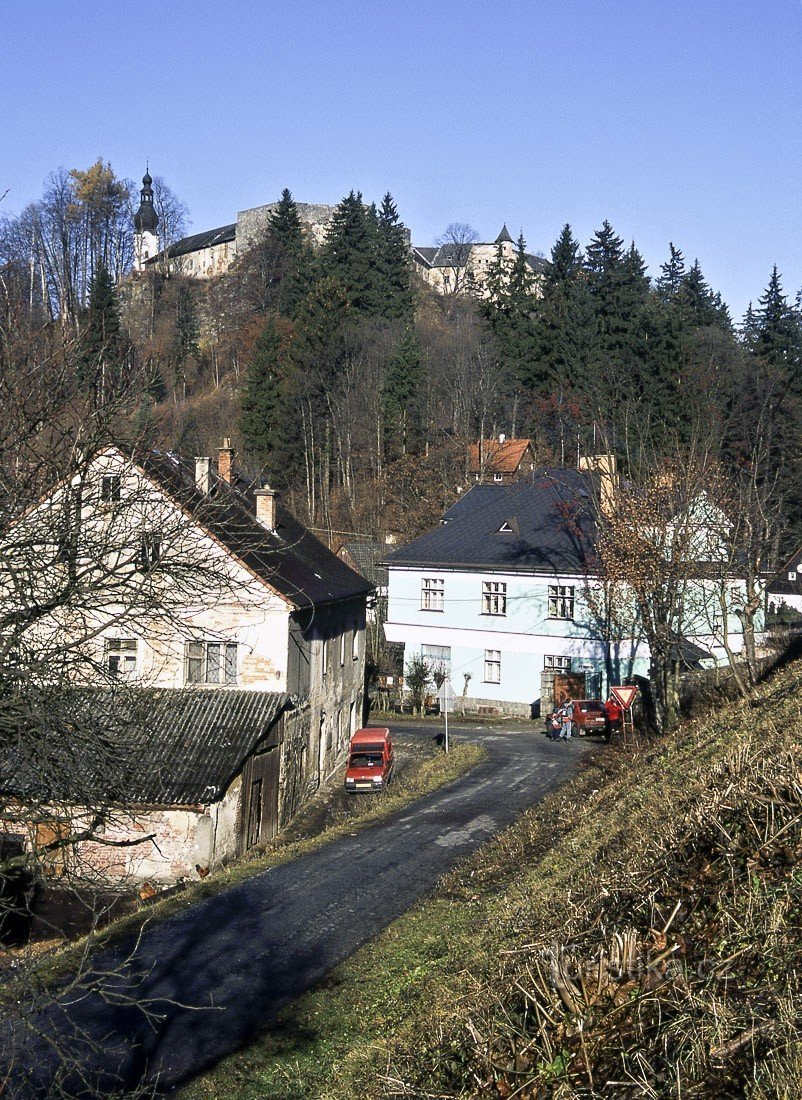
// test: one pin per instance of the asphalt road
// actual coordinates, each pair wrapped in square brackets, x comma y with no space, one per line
[215,974]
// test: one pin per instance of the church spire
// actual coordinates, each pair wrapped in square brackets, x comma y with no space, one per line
[146,220]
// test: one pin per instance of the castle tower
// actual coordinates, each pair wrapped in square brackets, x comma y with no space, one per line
[146,224]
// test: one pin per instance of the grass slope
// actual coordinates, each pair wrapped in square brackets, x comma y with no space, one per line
[638,934]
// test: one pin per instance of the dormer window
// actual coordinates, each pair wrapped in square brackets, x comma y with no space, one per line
[792,575]
[498,477]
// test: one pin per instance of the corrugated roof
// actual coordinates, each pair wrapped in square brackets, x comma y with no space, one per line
[544,525]
[290,559]
[497,457]
[164,746]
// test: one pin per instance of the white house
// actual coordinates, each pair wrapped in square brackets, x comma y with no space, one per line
[222,641]
[505,595]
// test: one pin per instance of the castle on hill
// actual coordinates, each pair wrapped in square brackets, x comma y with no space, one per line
[449,268]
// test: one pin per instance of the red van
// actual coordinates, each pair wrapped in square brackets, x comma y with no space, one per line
[370,760]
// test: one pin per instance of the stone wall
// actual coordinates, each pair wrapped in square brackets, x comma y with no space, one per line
[251,224]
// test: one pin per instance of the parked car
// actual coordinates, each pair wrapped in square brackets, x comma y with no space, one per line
[370,760]
[589,716]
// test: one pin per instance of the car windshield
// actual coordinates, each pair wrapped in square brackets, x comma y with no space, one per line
[366,760]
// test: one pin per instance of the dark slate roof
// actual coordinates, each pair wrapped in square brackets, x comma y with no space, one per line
[504,236]
[367,556]
[550,521]
[425,253]
[198,241]
[290,559]
[141,745]
[536,263]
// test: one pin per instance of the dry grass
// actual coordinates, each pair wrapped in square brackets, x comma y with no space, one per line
[654,950]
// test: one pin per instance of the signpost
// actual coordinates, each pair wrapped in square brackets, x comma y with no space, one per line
[625,697]
[445,697]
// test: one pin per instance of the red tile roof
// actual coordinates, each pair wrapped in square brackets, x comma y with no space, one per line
[499,458]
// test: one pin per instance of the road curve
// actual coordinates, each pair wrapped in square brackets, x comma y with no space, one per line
[215,974]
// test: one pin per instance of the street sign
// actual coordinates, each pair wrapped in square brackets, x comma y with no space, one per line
[445,695]
[624,696]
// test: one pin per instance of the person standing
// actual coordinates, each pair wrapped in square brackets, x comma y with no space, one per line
[566,713]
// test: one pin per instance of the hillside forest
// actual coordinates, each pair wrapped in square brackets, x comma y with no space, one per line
[355,389]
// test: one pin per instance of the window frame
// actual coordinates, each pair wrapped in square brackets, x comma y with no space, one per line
[556,663]
[211,662]
[562,602]
[492,666]
[494,598]
[110,488]
[115,649]
[432,594]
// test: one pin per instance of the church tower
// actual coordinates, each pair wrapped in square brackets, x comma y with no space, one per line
[146,223]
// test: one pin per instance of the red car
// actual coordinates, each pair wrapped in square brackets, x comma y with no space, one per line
[370,760]
[589,716]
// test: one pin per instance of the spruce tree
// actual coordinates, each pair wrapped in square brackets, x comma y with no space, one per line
[261,398]
[349,255]
[566,327]
[510,311]
[404,398]
[672,275]
[101,347]
[700,306]
[393,263]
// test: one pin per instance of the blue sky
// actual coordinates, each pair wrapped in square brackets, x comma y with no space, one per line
[678,121]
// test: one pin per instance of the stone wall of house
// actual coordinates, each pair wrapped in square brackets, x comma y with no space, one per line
[183,838]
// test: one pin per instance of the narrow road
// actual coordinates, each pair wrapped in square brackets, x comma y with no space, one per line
[217,973]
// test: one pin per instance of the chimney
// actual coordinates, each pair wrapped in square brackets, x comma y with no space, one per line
[203,474]
[605,467]
[225,461]
[266,507]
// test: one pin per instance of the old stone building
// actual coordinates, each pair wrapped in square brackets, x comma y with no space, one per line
[461,266]
[212,252]
[218,644]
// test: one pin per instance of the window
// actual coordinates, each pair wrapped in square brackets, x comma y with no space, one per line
[432,593]
[324,656]
[494,597]
[355,645]
[791,574]
[498,477]
[438,658]
[110,488]
[557,664]
[492,666]
[150,548]
[120,656]
[211,662]
[561,601]
[342,649]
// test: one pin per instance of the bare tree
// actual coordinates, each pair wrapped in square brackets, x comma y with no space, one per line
[456,245]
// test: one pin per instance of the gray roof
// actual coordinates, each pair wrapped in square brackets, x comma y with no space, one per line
[290,559]
[504,236]
[542,525]
[198,241]
[179,746]
[367,556]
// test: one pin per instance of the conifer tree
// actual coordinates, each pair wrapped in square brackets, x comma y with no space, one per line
[566,329]
[262,393]
[510,312]
[700,306]
[102,347]
[403,397]
[349,254]
[672,275]
[393,263]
